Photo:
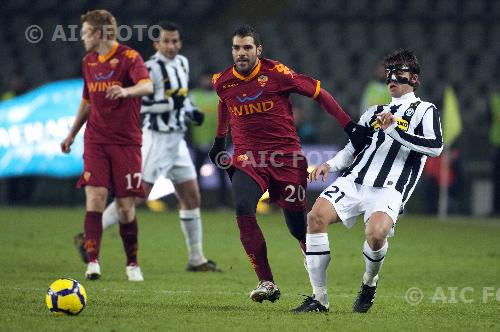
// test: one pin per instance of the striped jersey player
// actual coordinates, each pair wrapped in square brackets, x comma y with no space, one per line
[375,182]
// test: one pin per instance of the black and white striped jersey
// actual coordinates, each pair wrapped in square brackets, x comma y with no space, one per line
[165,110]
[396,157]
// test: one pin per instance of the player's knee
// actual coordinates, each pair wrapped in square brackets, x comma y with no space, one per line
[96,202]
[245,207]
[126,213]
[376,237]
[296,223]
[317,222]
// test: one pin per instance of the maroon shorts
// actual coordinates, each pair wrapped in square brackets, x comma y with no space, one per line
[116,167]
[285,176]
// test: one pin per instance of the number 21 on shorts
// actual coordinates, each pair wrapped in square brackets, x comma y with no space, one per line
[335,191]
[133,180]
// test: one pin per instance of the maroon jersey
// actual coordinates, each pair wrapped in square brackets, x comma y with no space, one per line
[258,106]
[113,121]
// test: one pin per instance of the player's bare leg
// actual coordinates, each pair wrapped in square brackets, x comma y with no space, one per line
[95,203]
[374,250]
[125,207]
[188,194]
[318,255]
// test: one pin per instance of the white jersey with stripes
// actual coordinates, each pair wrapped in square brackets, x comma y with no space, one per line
[396,156]
[165,110]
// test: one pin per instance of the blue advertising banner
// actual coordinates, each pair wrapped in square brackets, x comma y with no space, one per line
[32,127]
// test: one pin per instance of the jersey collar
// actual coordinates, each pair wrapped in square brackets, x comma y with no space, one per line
[107,56]
[406,97]
[252,74]
[164,58]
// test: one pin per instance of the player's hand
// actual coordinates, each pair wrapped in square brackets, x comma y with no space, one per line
[385,120]
[218,154]
[322,170]
[115,92]
[196,117]
[359,135]
[66,144]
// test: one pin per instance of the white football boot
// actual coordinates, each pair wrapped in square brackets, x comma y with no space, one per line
[93,271]
[134,273]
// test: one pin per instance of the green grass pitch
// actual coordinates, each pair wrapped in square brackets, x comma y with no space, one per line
[455,264]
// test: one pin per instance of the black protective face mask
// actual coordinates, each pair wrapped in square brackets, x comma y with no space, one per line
[391,75]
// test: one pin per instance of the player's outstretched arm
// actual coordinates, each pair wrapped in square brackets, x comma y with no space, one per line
[81,118]
[142,88]
[359,135]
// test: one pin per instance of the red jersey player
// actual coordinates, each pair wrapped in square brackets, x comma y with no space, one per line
[255,101]
[115,78]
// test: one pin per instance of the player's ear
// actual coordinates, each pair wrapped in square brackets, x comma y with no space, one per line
[414,78]
[259,50]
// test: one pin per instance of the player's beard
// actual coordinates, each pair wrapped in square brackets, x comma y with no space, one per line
[249,65]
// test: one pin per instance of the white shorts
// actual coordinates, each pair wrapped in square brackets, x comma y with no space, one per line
[351,200]
[166,154]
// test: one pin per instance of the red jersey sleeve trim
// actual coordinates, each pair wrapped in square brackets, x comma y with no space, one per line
[144,80]
[318,88]
[104,58]
[254,72]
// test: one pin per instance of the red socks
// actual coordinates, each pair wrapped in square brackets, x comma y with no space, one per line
[93,233]
[129,233]
[255,246]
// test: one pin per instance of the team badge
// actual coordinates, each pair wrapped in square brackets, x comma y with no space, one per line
[86,176]
[262,80]
[113,62]
[409,112]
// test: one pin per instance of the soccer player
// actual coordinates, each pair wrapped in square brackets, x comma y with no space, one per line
[164,149]
[115,78]
[375,183]
[255,101]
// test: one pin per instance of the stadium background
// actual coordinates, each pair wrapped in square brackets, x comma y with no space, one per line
[338,42]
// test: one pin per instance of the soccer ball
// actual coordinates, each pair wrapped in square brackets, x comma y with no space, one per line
[66,296]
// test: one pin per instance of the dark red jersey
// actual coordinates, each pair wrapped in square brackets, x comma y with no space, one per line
[258,106]
[113,121]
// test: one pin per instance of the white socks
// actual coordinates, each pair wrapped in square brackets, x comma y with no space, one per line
[373,261]
[318,258]
[191,227]
[110,216]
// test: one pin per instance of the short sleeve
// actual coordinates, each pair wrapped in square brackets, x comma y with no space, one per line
[292,82]
[137,70]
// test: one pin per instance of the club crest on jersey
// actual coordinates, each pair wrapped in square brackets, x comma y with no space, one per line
[113,62]
[262,80]
[409,112]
